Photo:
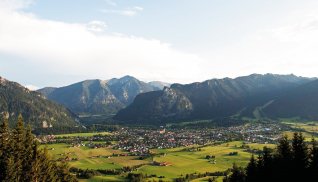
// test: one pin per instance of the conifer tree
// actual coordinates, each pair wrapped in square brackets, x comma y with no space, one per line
[313,165]
[300,156]
[35,167]
[237,175]
[27,157]
[251,170]
[11,172]
[18,136]
[47,167]
[284,152]
[4,148]
[22,161]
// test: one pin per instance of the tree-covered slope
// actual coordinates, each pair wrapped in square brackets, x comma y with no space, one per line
[35,108]
[301,102]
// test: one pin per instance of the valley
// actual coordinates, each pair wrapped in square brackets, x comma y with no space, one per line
[125,129]
[163,153]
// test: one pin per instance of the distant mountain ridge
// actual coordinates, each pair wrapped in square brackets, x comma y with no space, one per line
[34,107]
[242,97]
[301,103]
[99,96]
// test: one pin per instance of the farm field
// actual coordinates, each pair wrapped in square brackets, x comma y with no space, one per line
[104,178]
[184,162]
[92,158]
[181,161]
[311,127]
[83,134]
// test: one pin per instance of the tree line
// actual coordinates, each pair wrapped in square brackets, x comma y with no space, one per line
[22,160]
[292,161]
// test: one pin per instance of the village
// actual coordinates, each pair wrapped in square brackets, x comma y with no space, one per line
[139,141]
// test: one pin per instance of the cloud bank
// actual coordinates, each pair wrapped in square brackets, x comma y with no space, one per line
[77,49]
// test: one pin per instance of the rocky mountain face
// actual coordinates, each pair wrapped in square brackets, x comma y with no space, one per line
[98,96]
[212,99]
[34,107]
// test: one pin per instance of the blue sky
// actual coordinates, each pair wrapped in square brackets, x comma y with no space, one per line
[55,43]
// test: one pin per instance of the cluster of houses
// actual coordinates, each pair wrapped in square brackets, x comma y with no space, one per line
[139,141]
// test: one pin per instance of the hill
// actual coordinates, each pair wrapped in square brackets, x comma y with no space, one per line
[98,96]
[34,107]
[301,103]
[212,99]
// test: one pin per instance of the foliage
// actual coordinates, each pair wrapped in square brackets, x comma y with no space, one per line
[21,159]
[292,161]
[37,111]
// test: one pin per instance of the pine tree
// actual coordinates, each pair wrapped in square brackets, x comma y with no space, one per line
[4,135]
[47,167]
[64,174]
[18,136]
[314,160]
[251,170]
[238,174]
[36,164]
[22,161]
[11,172]
[27,157]
[284,152]
[283,160]
[300,153]
[4,148]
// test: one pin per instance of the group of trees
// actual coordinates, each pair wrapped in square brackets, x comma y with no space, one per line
[22,160]
[291,161]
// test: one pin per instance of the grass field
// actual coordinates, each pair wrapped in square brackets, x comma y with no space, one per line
[93,158]
[83,134]
[181,161]
[104,178]
[311,127]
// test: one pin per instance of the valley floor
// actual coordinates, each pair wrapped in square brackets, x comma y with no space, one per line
[113,152]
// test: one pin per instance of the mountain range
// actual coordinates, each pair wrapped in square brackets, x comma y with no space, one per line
[132,101]
[96,97]
[34,107]
[249,97]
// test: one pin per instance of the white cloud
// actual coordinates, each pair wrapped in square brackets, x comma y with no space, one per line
[97,26]
[71,49]
[125,12]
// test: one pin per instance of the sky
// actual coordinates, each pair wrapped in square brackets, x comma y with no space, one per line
[56,43]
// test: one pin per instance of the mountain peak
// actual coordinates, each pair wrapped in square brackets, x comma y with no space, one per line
[98,96]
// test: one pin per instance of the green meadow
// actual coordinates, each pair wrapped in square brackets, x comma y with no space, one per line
[181,160]
[83,134]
